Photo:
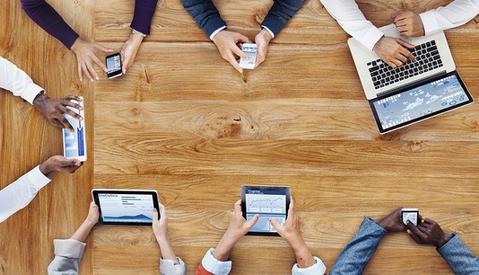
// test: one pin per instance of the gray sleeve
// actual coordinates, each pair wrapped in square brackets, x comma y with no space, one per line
[68,254]
[459,257]
[357,253]
[172,267]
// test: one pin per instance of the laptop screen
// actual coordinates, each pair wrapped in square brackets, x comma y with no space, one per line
[420,102]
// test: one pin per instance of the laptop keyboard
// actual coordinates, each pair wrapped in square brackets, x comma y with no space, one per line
[427,59]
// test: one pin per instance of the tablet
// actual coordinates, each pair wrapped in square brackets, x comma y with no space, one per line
[268,202]
[125,206]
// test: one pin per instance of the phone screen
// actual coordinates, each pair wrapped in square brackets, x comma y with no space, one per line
[113,65]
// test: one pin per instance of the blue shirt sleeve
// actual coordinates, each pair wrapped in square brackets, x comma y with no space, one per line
[458,256]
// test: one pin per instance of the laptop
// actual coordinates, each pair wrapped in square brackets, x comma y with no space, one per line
[414,92]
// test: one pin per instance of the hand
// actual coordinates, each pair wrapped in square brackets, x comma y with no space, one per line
[93,214]
[226,42]
[427,232]
[393,222]
[394,51]
[291,232]
[129,50]
[160,225]
[408,23]
[59,164]
[86,54]
[237,228]
[262,40]
[55,109]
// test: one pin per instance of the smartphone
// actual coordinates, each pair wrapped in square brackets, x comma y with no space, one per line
[250,50]
[114,65]
[74,143]
[410,214]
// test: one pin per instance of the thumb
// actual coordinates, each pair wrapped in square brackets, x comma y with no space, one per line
[102,48]
[252,221]
[155,215]
[276,225]
[242,38]
[395,14]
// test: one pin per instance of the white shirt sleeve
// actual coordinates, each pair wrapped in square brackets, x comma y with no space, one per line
[172,267]
[216,32]
[17,81]
[352,20]
[457,13]
[318,268]
[20,193]
[212,265]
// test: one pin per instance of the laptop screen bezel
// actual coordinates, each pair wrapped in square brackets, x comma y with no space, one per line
[408,88]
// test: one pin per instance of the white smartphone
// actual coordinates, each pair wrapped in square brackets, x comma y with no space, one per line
[410,214]
[249,62]
[74,143]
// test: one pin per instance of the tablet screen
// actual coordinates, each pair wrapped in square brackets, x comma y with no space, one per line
[126,208]
[420,102]
[267,203]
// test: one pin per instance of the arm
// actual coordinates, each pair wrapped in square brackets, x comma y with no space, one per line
[352,20]
[17,81]
[457,13]
[49,20]
[459,257]
[68,253]
[206,15]
[20,193]
[169,263]
[357,253]
[279,14]
[144,10]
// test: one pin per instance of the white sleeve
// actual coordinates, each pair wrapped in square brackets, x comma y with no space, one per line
[17,81]
[20,193]
[214,266]
[352,20]
[216,32]
[172,267]
[318,268]
[457,13]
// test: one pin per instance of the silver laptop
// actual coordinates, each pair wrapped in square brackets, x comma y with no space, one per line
[415,91]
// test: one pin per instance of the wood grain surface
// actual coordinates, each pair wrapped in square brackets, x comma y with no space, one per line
[186,124]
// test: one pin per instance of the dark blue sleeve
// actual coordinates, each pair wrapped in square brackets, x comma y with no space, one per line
[49,20]
[205,14]
[357,253]
[144,10]
[280,14]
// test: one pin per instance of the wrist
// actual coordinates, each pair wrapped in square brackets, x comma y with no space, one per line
[445,238]
[76,45]
[40,99]
[266,35]
[89,223]
[137,37]
[45,169]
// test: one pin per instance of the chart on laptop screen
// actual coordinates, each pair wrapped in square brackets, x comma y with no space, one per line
[420,101]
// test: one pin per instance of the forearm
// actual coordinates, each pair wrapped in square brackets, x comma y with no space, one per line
[166,249]
[225,246]
[144,10]
[303,255]
[455,14]
[49,20]
[205,14]
[81,234]
[459,257]
[281,12]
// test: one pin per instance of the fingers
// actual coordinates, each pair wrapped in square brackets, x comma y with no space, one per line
[414,237]
[65,124]
[86,72]
[162,211]
[395,14]
[237,206]
[405,44]
[407,54]
[249,223]
[241,38]
[65,110]
[99,63]
[123,61]
[69,101]
[416,231]
[92,71]
[238,51]
[155,215]
[276,225]
[80,74]
[103,49]
[230,58]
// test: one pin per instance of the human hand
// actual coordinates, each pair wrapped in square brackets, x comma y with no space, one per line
[237,228]
[427,232]
[227,44]
[59,164]
[129,50]
[93,214]
[393,222]
[291,232]
[394,51]
[86,54]
[160,225]
[54,109]
[262,40]
[408,23]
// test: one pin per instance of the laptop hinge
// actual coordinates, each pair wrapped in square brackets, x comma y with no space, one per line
[409,85]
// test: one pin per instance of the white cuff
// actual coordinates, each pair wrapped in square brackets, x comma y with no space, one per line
[31,91]
[371,37]
[429,22]
[318,268]
[172,267]
[217,31]
[37,178]
[69,248]
[268,30]
[212,265]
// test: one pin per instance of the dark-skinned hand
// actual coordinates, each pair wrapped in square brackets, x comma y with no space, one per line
[54,109]
[393,222]
[428,232]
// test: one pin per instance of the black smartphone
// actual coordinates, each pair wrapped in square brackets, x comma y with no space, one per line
[113,65]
